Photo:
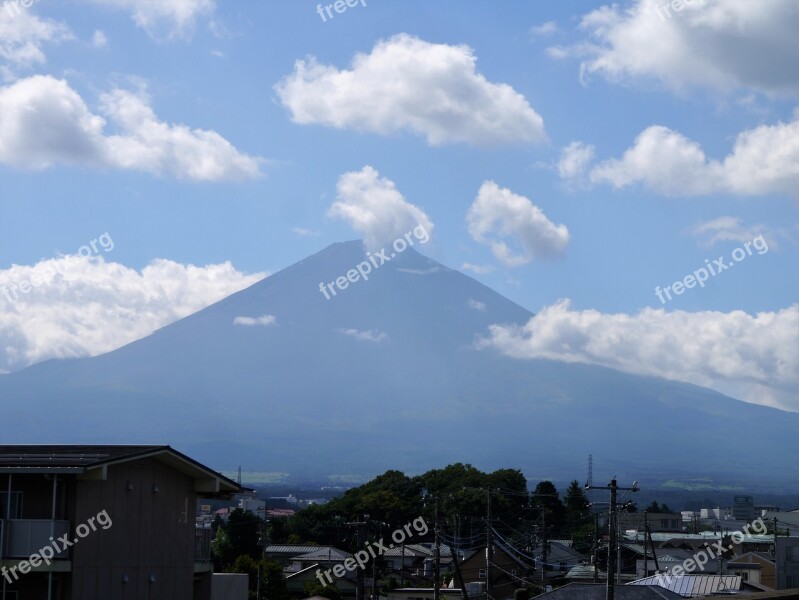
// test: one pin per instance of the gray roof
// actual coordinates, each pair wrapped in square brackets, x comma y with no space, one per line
[288,549]
[690,586]
[597,591]
[324,553]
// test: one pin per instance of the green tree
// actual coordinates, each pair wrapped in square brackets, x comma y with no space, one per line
[273,586]
[657,508]
[545,498]
[314,588]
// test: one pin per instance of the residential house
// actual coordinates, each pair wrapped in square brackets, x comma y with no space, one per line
[100,522]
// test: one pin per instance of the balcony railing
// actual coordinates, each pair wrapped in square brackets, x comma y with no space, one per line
[202,544]
[23,537]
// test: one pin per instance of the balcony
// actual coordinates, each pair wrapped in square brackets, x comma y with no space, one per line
[23,537]
[202,544]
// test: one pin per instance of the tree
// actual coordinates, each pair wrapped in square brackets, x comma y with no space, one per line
[546,498]
[273,586]
[657,508]
[314,588]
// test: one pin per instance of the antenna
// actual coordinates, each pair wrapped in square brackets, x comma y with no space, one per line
[239,480]
[590,481]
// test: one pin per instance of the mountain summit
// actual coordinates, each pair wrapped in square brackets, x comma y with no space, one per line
[384,374]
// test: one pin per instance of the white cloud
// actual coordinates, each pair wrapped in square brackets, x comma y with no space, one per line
[365,336]
[72,306]
[719,44]
[44,122]
[574,160]
[264,321]
[476,304]
[164,18]
[374,207]
[303,232]
[498,216]
[754,358]
[729,229]
[478,269]
[22,35]
[764,160]
[545,29]
[99,39]
[406,83]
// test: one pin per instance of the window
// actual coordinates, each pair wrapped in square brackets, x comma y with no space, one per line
[481,574]
[16,505]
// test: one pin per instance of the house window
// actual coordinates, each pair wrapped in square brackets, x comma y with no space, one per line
[481,574]
[16,505]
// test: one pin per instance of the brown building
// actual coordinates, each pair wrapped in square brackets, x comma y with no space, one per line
[103,522]
[506,573]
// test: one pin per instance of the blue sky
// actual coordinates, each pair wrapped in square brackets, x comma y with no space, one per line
[573,156]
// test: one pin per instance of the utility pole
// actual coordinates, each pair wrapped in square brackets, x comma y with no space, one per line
[612,529]
[360,540]
[489,548]
[544,550]
[436,556]
[596,547]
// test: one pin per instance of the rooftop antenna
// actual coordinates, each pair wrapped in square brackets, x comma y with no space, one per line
[239,479]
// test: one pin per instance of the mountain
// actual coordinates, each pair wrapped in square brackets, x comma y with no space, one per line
[386,374]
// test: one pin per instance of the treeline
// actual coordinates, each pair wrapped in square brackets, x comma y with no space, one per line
[461,493]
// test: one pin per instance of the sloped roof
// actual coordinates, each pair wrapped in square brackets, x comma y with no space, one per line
[597,591]
[690,586]
[289,549]
[324,553]
[94,459]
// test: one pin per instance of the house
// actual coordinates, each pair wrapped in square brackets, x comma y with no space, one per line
[99,522]
[755,567]
[597,591]
[283,553]
[657,521]
[787,561]
[691,586]
[507,572]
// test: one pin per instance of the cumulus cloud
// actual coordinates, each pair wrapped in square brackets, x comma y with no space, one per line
[164,18]
[374,207]
[729,229]
[764,160]
[719,44]
[365,336]
[73,306]
[544,29]
[476,304]
[405,83]
[498,217]
[263,321]
[23,35]
[99,39]
[44,122]
[574,160]
[477,269]
[751,357]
